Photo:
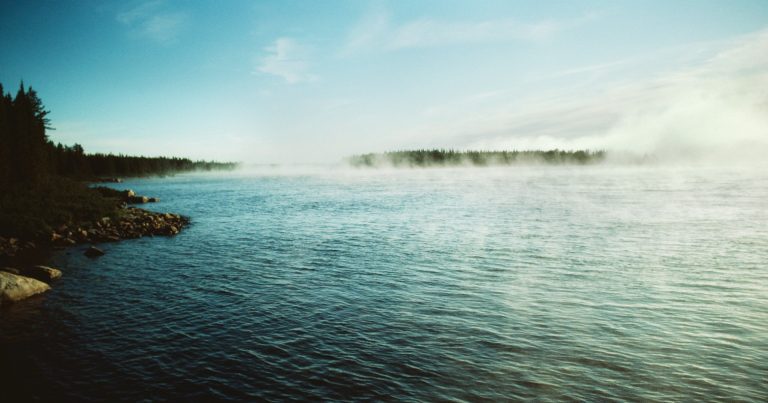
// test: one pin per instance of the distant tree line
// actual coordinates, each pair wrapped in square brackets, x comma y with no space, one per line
[28,157]
[425,158]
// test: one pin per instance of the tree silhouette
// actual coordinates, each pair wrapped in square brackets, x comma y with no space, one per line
[28,157]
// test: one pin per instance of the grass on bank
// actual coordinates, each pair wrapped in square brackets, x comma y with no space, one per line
[33,213]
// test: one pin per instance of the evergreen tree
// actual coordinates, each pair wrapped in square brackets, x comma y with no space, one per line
[5,141]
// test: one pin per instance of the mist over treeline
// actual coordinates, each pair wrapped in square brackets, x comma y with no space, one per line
[29,157]
[440,157]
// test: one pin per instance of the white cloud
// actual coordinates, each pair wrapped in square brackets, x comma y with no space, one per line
[155,21]
[715,106]
[375,31]
[288,60]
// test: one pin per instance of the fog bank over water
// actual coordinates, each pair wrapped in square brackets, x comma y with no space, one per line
[700,104]
[715,110]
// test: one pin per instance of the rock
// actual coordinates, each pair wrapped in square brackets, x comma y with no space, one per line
[42,273]
[94,252]
[68,242]
[108,180]
[56,237]
[15,288]
[10,270]
[138,199]
[128,193]
[153,200]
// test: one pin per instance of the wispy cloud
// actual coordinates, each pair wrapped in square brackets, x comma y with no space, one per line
[287,59]
[716,106]
[375,31]
[155,21]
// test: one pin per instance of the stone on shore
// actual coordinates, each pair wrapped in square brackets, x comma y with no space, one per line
[15,288]
[11,270]
[42,273]
[138,199]
[94,252]
[127,223]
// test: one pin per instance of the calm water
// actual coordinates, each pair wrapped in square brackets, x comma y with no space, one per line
[642,284]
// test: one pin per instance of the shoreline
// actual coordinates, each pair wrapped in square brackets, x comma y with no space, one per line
[21,259]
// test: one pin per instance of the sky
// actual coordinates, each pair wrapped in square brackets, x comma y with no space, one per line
[312,81]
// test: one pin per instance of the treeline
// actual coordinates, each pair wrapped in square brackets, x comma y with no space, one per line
[28,157]
[73,162]
[427,158]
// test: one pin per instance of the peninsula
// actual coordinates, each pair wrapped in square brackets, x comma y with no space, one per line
[48,201]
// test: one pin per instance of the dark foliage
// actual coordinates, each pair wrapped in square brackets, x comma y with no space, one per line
[425,158]
[33,213]
[41,183]
[28,157]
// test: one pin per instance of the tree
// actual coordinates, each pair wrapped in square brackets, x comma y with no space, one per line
[5,140]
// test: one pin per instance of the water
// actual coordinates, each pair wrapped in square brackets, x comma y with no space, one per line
[588,283]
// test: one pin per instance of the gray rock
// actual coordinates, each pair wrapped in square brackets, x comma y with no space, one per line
[94,252]
[16,288]
[138,199]
[10,270]
[42,273]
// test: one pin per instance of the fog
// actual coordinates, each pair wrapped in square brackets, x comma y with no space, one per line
[712,110]
[702,104]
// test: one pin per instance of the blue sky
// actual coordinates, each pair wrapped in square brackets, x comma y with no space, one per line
[289,81]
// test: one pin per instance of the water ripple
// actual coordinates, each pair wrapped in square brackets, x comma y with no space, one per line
[458,285]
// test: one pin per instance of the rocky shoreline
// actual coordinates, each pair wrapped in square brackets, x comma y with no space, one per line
[17,283]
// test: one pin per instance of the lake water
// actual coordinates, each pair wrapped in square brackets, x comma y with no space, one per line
[546,283]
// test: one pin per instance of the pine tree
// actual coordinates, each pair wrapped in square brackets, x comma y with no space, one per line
[5,145]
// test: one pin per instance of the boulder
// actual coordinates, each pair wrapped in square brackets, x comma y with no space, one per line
[109,180]
[15,288]
[137,199]
[10,270]
[153,200]
[42,273]
[94,252]
[128,193]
